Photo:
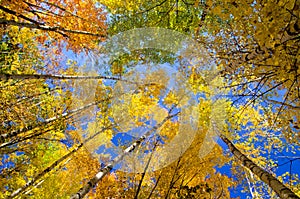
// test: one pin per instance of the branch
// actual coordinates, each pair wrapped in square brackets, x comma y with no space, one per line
[47,121]
[283,103]
[172,180]
[144,173]
[155,6]
[282,191]
[18,15]
[156,183]
[45,171]
[48,28]
[53,165]
[4,76]
[104,171]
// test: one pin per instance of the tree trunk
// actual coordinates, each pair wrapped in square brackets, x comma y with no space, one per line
[282,191]
[52,166]
[48,169]
[47,76]
[104,171]
[49,28]
[47,121]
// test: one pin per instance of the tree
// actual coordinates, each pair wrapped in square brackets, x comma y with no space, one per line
[46,151]
[61,21]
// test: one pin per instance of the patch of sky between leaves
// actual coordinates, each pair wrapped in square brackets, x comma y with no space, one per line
[99,63]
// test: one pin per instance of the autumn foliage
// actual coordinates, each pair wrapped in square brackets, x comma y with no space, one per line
[67,131]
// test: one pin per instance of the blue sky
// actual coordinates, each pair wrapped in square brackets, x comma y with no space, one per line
[124,138]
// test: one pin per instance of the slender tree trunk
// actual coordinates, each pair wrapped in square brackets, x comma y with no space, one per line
[104,171]
[144,173]
[48,76]
[156,183]
[47,170]
[282,191]
[173,177]
[52,166]
[22,139]
[48,28]
[47,121]
[34,96]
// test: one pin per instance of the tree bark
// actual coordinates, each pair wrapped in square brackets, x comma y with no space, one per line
[47,121]
[48,28]
[52,166]
[104,171]
[18,15]
[47,170]
[282,191]
[47,76]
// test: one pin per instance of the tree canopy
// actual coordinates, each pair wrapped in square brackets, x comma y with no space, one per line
[147,99]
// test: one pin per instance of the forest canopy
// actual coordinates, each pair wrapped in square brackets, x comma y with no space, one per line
[149,99]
